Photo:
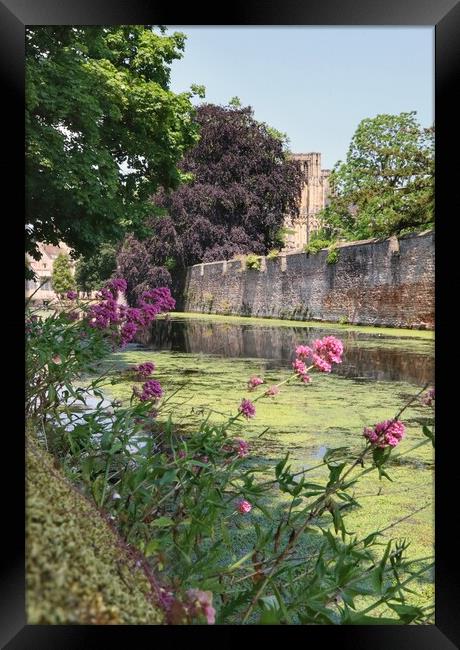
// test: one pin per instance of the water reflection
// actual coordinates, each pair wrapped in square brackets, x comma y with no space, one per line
[366,356]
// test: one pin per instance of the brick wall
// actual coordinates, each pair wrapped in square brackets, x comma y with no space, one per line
[388,282]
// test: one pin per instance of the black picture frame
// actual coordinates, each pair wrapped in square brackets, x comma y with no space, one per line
[444,16]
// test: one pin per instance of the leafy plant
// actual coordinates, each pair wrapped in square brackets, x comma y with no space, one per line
[253,262]
[316,245]
[332,256]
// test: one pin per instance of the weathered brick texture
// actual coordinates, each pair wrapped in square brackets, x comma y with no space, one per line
[387,283]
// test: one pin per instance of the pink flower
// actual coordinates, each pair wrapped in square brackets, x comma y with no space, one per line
[200,602]
[56,359]
[303,352]
[71,295]
[299,367]
[243,506]
[321,364]
[144,369]
[329,348]
[150,390]
[301,371]
[272,391]
[243,448]
[385,434]
[181,453]
[255,381]
[247,408]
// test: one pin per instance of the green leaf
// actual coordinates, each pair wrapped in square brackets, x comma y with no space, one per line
[406,613]
[151,546]
[162,522]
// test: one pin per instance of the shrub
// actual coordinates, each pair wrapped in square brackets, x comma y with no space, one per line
[253,262]
[316,245]
[273,254]
[332,256]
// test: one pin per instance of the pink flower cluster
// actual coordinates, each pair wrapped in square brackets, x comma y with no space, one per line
[254,382]
[243,506]
[200,603]
[247,408]
[71,295]
[324,352]
[300,370]
[272,391]
[385,434]
[144,369]
[150,390]
[242,448]
[196,603]
[127,320]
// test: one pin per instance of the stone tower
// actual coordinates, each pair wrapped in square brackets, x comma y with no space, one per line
[314,196]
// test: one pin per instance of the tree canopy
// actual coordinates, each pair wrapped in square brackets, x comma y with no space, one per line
[386,184]
[103,131]
[243,186]
[92,272]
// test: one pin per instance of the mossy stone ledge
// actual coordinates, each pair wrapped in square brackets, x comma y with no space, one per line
[78,570]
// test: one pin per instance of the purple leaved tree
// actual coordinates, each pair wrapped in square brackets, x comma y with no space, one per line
[242,185]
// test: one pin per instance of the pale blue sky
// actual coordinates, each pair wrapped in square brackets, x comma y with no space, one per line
[314,83]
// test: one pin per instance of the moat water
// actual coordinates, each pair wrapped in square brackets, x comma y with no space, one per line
[366,356]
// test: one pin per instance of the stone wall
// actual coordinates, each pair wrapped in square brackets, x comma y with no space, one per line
[388,283]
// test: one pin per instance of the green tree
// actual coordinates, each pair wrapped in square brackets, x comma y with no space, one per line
[62,278]
[386,185]
[103,131]
[92,272]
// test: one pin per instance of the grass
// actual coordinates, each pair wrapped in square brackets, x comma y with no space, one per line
[276,322]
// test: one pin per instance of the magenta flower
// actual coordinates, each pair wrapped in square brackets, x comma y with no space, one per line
[71,295]
[329,348]
[272,391]
[303,352]
[243,506]
[301,371]
[117,285]
[145,369]
[254,382]
[200,602]
[385,434]
[321,364]
[242,448]
[150,390]
[108,313]
[299,367]
[247,408]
